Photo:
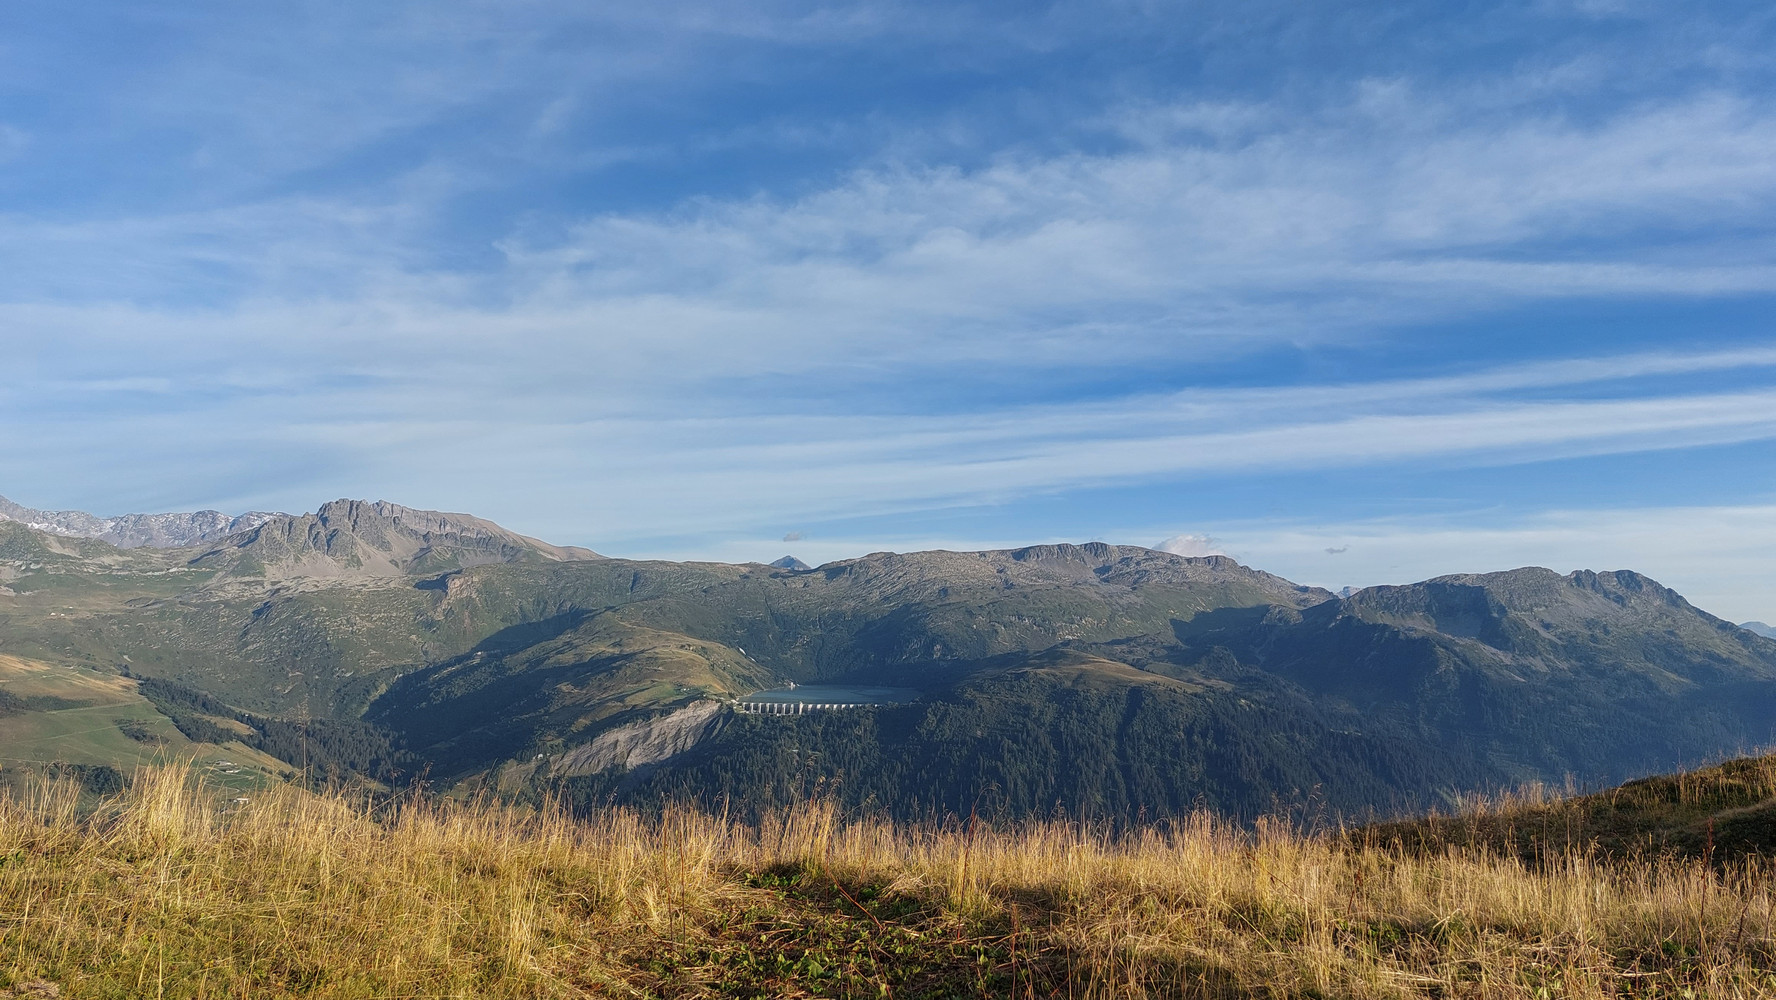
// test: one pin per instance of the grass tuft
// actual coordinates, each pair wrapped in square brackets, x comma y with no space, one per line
[172,890]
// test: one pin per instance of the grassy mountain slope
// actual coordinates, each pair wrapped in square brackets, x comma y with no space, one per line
[300,614]
[1091,680]
[543,688]
[1382,701]
[1723,815]
[53,715]
[162,891]
[1060,733]
[671,634]
[537,649]
[1604,675]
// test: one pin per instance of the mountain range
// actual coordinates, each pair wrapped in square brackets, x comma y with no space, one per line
[384,644]
[135,530]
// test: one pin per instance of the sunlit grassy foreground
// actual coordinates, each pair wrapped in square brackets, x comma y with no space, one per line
[162,893]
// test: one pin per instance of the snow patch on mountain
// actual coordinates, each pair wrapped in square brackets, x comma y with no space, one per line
[128,531]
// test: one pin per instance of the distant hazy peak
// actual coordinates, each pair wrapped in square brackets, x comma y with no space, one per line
[1759,628]
[1503,609]
[126,531]
[1065,565]
[1532,586]
[790,562]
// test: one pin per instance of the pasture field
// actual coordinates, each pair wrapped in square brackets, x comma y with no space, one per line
[63,714]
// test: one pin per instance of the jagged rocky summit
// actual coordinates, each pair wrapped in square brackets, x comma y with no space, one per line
[359,538]
[128,531]
[343,539]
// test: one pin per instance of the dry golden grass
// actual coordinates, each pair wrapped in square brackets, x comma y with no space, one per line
[1721,814]
[163,893]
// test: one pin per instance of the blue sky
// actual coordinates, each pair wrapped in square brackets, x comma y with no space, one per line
[1356,293]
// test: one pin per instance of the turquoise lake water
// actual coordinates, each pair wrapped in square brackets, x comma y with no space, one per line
[835,694]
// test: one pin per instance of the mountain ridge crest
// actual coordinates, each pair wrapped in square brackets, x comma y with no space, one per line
[363,538]
[126,531]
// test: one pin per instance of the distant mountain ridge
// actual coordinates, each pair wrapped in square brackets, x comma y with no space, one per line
[359,538]
[1605,663]
[342,539]
[1759,628]
[128,531]
[1084,680]
[1384,699]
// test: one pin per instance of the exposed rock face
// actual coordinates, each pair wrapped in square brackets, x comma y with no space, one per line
[357,538]
[639,744]
[129,531]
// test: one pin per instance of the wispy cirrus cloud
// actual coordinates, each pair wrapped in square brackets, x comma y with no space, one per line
[728,473]
[1292,233]
[669,276]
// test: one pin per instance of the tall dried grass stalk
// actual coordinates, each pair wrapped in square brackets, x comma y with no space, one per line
[165,892]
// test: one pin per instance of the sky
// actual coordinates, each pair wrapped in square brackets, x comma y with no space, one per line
[1356,293]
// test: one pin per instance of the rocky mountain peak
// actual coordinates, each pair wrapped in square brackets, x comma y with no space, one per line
[128,531]
[360,538]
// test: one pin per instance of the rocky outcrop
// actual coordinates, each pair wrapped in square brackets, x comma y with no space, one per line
[129,531]
[640,744]
[360,539]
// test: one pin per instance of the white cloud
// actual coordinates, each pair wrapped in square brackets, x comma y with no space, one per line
[1296,231]
[1190,545]
[1271,228]
[602,384]
[1723,559]
[375,429]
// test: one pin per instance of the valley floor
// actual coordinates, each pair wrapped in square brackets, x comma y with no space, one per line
[172,890]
